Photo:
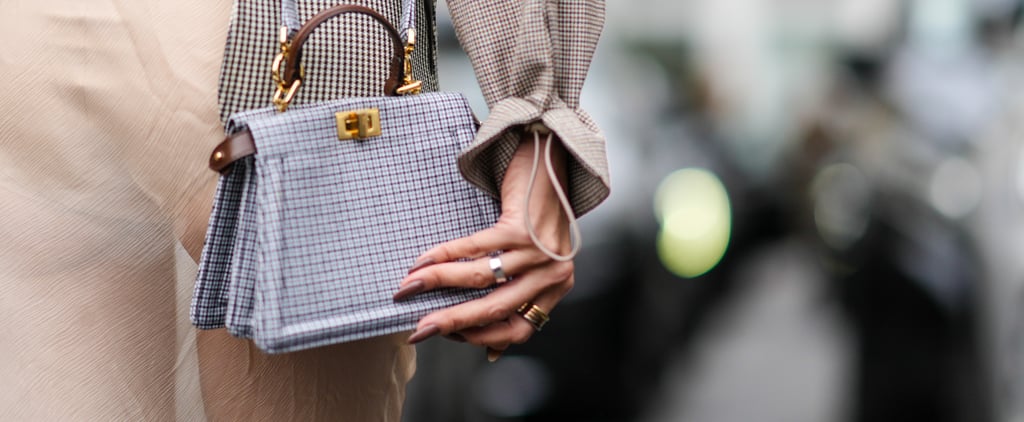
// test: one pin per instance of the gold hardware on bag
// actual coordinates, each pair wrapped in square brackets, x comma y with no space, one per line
[285,92]
[358,124]
[409,86]
[282,98]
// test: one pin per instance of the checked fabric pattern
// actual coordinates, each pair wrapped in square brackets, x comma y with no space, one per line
[309,237]
[332,227]
[530,57]
[345,57]
[339,224]
[241,280]
[323,229]
[210,296]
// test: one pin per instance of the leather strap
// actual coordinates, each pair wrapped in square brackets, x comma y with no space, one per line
[291,64]
[241,144]
[232,149]
[290,16]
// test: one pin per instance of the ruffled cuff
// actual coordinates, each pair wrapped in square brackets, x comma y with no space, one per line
[484,162]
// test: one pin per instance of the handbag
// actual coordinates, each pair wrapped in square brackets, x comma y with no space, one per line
[321,208]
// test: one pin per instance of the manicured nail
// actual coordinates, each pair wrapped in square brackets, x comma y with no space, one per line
[456,337]
[414,287]
[493,355]
[420,264]
[424,333]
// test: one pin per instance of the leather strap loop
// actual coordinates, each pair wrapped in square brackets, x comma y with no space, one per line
[294,58]
[233,148]
[241,144]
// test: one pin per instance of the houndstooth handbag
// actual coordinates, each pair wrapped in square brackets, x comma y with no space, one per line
[321,208]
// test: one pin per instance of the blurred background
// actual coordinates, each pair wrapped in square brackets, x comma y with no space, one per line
[817,214]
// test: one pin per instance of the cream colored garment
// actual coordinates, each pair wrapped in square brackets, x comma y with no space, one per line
[107,114]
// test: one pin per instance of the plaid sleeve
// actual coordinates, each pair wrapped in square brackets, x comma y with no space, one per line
[531,58]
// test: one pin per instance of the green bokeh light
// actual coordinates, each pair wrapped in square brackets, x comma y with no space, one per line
[696,221]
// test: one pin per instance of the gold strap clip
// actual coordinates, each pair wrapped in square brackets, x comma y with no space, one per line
[409,86]
[285,91]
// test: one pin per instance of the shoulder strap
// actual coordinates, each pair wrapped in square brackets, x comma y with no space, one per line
[290,16]
[408,24]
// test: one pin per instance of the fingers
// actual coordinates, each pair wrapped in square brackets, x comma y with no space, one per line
[515,330]
[472,319]
[499,305]
[470,274]
[475,245]
[490,321]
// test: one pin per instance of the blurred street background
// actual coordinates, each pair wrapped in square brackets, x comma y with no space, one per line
[817,214]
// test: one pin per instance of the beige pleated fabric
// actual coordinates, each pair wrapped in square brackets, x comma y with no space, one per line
[107,114]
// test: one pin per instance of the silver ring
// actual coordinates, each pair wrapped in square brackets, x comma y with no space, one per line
[499,273]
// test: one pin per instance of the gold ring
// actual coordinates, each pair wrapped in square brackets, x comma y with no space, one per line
[534,315]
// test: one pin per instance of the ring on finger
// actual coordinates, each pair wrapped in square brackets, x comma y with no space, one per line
[534,315]
[499,272]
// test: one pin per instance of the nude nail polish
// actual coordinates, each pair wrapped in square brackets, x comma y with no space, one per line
[420,264]
[424,333]
[414,287]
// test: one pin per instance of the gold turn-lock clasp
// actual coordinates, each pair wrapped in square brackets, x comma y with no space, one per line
[358,124]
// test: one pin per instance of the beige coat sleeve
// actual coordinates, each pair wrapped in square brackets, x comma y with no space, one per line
[531,58]
[109,117]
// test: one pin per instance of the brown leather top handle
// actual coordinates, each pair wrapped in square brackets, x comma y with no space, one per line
[292,62]
[241,144]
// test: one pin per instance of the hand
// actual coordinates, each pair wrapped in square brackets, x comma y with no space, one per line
[491,321]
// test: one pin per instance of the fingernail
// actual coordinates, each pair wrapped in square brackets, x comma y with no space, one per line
[420,264]
[493,355]
[456,337]
[424,333]
[413,288]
